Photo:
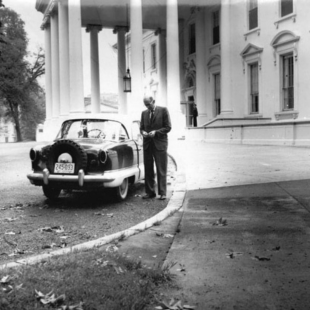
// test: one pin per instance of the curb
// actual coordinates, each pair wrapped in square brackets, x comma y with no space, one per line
[175,203]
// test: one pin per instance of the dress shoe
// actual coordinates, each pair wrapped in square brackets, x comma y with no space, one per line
[162,197]
[148,196]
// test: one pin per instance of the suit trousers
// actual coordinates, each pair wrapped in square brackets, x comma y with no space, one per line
[160,157]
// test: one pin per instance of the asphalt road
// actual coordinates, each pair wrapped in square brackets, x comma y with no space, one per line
[31,224]
[14,166]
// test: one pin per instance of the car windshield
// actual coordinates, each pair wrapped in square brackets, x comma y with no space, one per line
[92,129]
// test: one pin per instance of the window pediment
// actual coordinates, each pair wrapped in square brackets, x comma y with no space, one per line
[284,37]
[214,61]
[251,49]
[283,42]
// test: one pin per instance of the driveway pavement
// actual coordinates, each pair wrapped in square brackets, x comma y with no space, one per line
[243,240]
[241,237]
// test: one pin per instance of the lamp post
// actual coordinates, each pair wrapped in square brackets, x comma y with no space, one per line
[127,82]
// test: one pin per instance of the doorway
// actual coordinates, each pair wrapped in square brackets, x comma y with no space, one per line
[189,111]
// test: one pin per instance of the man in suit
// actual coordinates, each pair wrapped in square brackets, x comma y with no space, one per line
[154,126]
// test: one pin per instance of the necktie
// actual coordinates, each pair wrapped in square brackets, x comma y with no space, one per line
[152,116]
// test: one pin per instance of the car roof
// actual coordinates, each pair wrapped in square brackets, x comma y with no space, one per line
[123,118]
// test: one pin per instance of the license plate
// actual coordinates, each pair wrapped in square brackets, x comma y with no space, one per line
[64,168]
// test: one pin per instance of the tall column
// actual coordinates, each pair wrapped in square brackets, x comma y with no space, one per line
[76,58]
[173,69]
[64,57]
[55,65]
[226,82]
[136,102]
[162,47]
[200,64]
[94,67]
[121,59]
[48,73]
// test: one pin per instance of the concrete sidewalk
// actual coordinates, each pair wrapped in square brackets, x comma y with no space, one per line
[257,256]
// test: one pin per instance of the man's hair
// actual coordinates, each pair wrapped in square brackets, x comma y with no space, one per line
[148,98]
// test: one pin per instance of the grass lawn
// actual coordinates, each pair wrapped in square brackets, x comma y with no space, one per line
[87,280]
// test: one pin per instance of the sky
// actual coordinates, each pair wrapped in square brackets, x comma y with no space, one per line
[108,58]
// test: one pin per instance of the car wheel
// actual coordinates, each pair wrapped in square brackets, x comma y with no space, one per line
[79,156]
[51,192]
[122,190]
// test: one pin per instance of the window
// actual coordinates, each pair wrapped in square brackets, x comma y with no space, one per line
[217,93]
[153,55]
[254,87]
[92,128]
[253,14]
[216,27]
[192,39]
[136,135]
[286,7]
[288,82]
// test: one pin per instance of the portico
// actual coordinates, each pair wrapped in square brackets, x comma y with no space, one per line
[63,22]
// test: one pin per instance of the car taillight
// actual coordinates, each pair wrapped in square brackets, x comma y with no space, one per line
[33,155]
[102,156]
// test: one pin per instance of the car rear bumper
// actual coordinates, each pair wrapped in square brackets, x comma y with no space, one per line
[108,179]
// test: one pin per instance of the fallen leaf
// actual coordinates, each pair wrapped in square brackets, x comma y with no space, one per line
[50,298]
[118,270]
[261,258]
[173,305]
[56,229]
[112,248]
[220,222]
[233,254]
[46,229]
[10,219]
[7,289]
[98,213]
[168,236]
[11,243]
[182,269]
[17,287]
[5,280]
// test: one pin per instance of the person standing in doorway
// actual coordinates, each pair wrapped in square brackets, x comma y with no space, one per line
[154,127]
[195,115]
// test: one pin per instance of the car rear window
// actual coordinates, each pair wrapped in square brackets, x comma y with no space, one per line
[93,129]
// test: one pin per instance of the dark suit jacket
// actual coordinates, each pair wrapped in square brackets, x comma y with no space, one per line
[161,124]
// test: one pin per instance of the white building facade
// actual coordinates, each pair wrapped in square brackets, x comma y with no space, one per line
[243,63]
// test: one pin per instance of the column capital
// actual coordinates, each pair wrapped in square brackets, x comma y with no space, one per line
[120,28]
[45,26]
[91,27]
[159,31]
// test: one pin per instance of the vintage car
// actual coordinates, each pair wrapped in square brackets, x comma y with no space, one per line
[90,151]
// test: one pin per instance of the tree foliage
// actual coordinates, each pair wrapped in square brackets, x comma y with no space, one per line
[19,88]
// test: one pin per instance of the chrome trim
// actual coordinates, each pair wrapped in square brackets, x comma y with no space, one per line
[111,178]
[81,177]
[46,174]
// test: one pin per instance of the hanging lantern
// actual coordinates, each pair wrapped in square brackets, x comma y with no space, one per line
[127,82]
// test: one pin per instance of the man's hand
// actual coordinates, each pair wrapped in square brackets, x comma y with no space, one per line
[152,134]
[144,134]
